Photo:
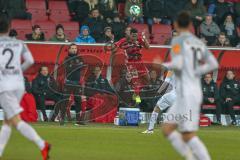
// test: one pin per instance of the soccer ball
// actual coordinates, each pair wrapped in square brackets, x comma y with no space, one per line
[135,10]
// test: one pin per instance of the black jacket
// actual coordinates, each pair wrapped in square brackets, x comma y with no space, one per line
[210,91]
[156,8]
[99,85]
[221,10]
[96,26]
[79,9]
[40,85]
[29,37]
[73,66]
[118,29]
[230,89]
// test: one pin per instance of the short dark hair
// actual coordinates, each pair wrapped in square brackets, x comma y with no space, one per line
[41,68]
[59,26]
[183,19]
[13,33]
[72,44]
[133,30]
[5,22]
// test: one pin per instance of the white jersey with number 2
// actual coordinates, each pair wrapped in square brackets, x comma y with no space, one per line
[12,53]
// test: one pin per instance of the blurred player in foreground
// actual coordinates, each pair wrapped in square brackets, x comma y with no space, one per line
[12,88]
[164,102]
[190,60]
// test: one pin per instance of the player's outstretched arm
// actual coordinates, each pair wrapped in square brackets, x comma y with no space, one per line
[209,65]
[27,58]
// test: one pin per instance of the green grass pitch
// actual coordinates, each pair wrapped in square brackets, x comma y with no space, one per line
[108,142]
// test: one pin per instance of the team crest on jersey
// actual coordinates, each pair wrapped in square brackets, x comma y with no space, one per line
[176,49]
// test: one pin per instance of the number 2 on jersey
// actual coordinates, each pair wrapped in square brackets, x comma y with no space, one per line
[9,52]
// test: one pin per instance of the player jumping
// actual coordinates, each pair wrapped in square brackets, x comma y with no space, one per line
[12,88]
[190,60]
[164,102]
[132,46]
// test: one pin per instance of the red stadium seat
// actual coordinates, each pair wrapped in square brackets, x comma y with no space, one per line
[140,28]
[22,27]
[161,33]
[38,10]
[71,29]
[48,27]
[59,11]
[60,16]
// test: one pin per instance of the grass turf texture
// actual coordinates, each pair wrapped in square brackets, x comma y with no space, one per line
[108,142]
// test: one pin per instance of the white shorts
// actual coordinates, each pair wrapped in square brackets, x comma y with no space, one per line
[10,103]
[185,112]
[166,100]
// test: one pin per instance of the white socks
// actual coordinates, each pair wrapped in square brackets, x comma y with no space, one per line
[153,120]
[177,142]
[28,132]
[4,137]
[198,149]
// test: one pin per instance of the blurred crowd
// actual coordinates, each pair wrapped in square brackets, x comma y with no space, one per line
[216,22]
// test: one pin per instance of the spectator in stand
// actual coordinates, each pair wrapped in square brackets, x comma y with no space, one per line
[209,30]
[79,9]
[173,7]
[197,12]
[230,92]
[16,9]
[84,36]
[36,35]
[221,10]
[125,90]
[132,18]
[108,36]
[98,88]
[237,12]
[118,28]
[96,24]
[230,29]
[222,41]
[59,36]
[13,33]
[108,9]
[156,13]
[211,95]
[42,88]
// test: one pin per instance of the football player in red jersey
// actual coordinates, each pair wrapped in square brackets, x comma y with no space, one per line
[132,47]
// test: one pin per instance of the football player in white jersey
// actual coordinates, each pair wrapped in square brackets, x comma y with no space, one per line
[164,102]
[12,88]
[190,60]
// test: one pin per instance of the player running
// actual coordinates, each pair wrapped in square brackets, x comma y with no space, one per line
[164,102]
[12,88]
[132,46]
[190,60]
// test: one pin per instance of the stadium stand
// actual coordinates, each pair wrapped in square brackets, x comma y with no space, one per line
[59,11]
[38,10]
[23,27]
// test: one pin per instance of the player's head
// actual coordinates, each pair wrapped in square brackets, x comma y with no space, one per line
[43,70]
[128,77]
[133,34]
[5,22]
[208,78]
[183,22]
[72,49]
[128,31]
[230,75]
[153,74]
[97,71]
